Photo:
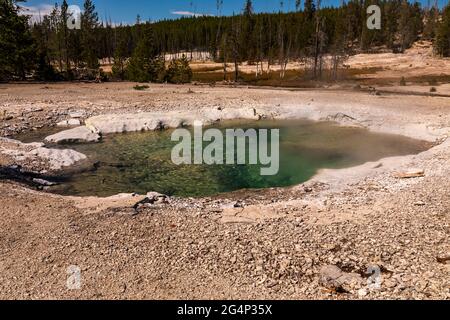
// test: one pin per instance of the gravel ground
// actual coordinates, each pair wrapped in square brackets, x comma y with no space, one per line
[315,241]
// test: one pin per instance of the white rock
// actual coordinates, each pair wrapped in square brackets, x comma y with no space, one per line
[55,158]
[69,123]
[73,122]
[76,115]
[362,292]
[148,121]
[75,135]
[410,173]
[43,182]
[58,158]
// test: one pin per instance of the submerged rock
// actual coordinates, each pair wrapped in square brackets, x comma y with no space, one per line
[43,182]
[75,135]
[344,119]
[17,173]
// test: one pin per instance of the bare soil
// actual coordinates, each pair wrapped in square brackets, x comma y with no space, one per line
[244,245]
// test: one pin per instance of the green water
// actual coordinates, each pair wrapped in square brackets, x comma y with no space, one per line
[141,162]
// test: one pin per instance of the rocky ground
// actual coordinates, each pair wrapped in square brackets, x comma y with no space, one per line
[361,233]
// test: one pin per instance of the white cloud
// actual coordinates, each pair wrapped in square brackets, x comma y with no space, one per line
[36,12]
[190,14]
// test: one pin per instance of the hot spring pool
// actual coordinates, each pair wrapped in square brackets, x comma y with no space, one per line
[141,162]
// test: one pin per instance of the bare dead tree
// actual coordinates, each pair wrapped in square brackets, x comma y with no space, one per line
[317,53]
[235,45]
[284,48]
[260,51]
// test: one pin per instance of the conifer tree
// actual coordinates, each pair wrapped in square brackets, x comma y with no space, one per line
[310,9]
[89,25]
[409,24]
[44,68]
[145,64]
[17,51]
[431,18]
[248,9]
[442,44]
[63,35]
[179,71]
[120,56]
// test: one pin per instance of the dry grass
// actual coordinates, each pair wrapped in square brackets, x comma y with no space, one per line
[293,78]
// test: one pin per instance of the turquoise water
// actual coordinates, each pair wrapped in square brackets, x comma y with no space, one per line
[141,162]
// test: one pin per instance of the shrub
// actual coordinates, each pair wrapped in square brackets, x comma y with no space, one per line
[146,65]
[102,76]
[403,81]
[151,70]
[442,41]
[140,88]
[119,69]
[45,71]
[179,71]
[433,82]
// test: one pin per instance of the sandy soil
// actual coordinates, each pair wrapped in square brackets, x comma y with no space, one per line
[422,71]
[419,60]
[277,243]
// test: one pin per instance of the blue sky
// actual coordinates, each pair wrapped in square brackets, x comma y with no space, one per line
[125,11]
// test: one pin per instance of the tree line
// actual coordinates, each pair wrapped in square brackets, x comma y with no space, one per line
[322,37]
